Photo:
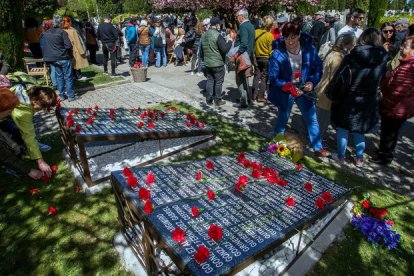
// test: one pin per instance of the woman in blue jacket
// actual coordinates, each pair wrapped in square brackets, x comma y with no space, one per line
[294,70]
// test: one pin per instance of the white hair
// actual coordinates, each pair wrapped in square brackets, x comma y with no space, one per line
[243,12]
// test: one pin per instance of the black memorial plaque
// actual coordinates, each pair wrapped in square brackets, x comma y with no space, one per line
[253,221]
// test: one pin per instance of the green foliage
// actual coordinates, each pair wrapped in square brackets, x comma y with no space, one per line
[110,7]
[395,18]
[303,8]
[202,14]
[11,33]
[136,6]
[376,10]
[396,4]
[39,9]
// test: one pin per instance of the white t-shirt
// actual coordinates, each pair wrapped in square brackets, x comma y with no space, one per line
[296,64]
[347,29]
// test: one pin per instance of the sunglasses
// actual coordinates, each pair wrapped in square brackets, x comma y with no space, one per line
[388,31]
[360,18]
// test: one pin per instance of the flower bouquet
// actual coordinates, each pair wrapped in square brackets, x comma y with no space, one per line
[279,146]
[373,224]
[294,88]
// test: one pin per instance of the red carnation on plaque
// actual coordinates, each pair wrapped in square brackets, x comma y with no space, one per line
[327,197]
[267,172]
[144,194]
[175,109]
[209,165]
[89,121]
[140,124]
[195,211]
[188,124]
[150,124]
[366,204]
[178,234]
[127,172]
[215,232]
[241,157]
[290,201]
[201,254]
[34,192]
[150,179]
[162,114]
[308,187]
[299,167]
[243,179]
[199,175]
[211,195]
[320,203]
[246,163]
[94,114]
[52,210]
[132,181]
[89,110]
[148,207]
[96,107]
[70,123]
[202,125]
[78,128]
[240,186]
[132,110]
[256,174]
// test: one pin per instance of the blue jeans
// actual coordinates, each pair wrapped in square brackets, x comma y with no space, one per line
[53,74]
[160,54]
[64,77]
[145,49]
[342,142]
[308,115]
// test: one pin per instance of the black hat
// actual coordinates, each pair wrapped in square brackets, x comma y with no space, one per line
[215,21]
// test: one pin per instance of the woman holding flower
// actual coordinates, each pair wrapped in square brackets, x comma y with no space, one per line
[294,70]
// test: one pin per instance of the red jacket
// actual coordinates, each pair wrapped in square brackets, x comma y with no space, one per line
[397,89]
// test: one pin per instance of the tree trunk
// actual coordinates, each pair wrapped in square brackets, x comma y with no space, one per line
[11,33]
[376,11]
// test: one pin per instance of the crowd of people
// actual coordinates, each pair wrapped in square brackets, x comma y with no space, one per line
[337,74]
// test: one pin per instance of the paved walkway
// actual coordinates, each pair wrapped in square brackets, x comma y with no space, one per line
[176,83]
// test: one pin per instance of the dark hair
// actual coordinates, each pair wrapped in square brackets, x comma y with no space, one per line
[388,24]
[410,31]
[8,100]
[290,28]
[356,11]
[44,95]
[371,36]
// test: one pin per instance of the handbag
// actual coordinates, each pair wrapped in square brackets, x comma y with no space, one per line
[158,42]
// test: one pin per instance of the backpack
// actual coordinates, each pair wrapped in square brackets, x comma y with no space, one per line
[324,50]
[131,34]
[340,84]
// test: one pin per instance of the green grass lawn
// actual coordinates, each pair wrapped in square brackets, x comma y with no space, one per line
[94,77]
[79,239]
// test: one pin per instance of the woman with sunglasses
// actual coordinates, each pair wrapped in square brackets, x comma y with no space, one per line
[388,38]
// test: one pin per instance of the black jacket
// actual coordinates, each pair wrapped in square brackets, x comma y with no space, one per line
[316,32]
[56,45]
[107,33]
[357,110]
[191,39]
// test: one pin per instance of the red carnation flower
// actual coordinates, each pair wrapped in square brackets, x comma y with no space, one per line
[34,192]
[195,211]
[94,114]
[299,167]
[286,87]
[70,122]
[327,197]
[168,108]
[54,169]
[188,124]
[96,107]
[132,110]
[290,201]
[366,204]
[256,174]
[88,110]
[389,222]
[144,194]
[294,92]
[270,172]
[148,207]
[178,234]
[150,179]
[209,165]
[112,111]
[203,124]
[215,232]
[52,210]
[246,163]
[175,109]
[78,188]
[127,172]
[241,157]
[211,195]
[78,128]
[320,203]
[89,121]
[243,179]
[132,181]
[297,74]
[140,124]
[240,186]
[199,175]
[162,114]
[378,213]
[308,187]
[45,178]
[201,254]
[150,124]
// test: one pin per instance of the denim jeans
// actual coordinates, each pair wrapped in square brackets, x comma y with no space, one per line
[342,142]
[145,49]
[53,74]
[160,55]
[243,87]
[64,77]
[215,79]
[308,115]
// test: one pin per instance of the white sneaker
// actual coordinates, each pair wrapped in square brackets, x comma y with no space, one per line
[192,73]
[82,78]
[200,74]
[44,147]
